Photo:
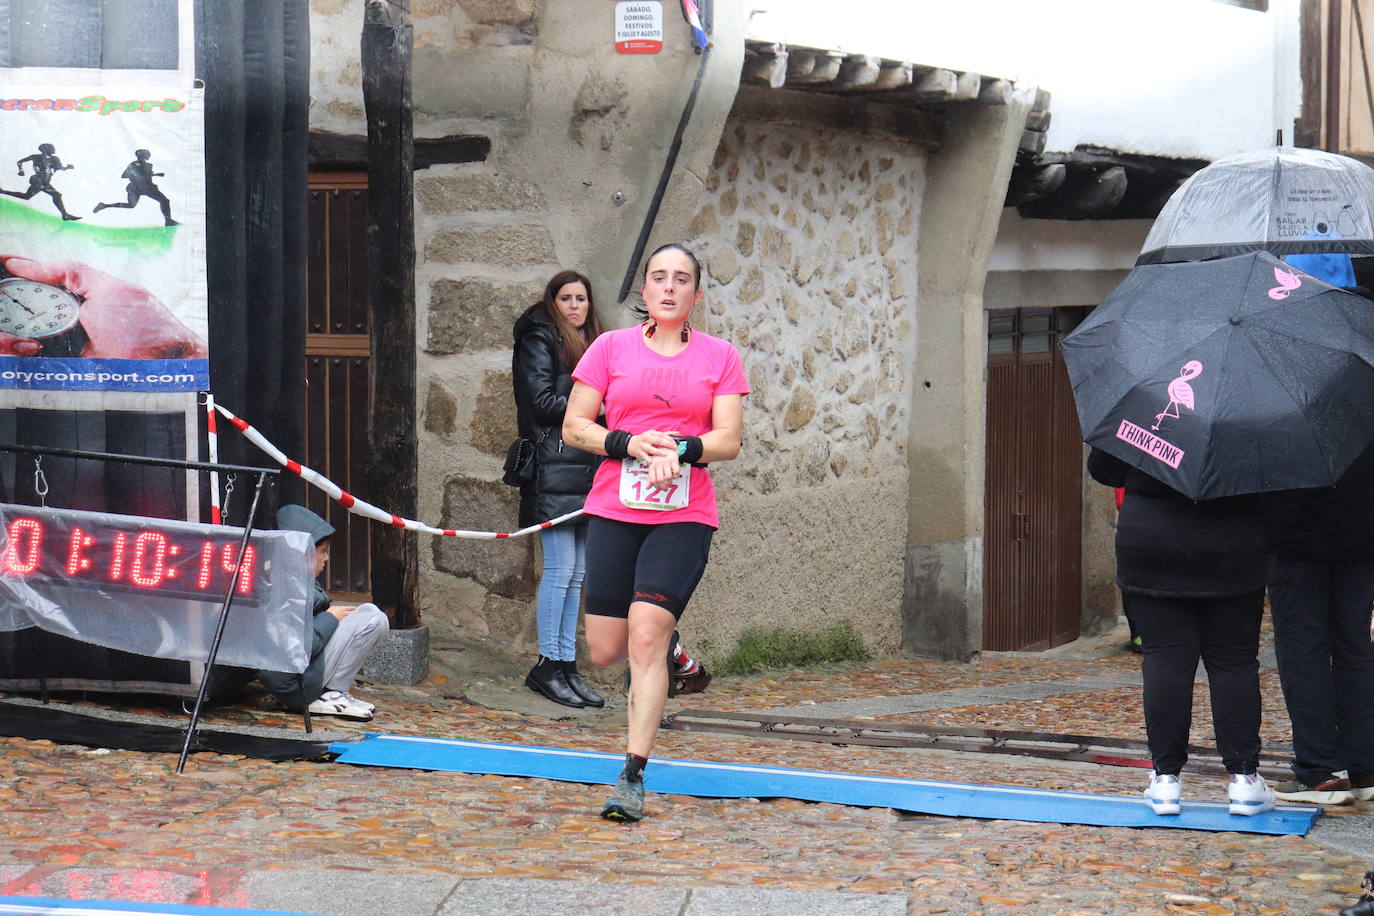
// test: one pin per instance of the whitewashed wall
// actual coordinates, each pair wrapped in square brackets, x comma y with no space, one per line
[1185,78]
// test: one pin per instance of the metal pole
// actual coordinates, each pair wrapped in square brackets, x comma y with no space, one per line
[219,626]
[1333,76]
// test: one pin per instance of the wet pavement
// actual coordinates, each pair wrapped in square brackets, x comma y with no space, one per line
[327,838]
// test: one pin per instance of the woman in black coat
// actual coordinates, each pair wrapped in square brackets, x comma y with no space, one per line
[550,337]
[1194,573]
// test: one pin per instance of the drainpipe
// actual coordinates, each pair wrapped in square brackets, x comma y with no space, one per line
[1333,75]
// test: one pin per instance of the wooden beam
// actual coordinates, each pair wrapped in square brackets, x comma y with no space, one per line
[825,66]
[933,85]
[995,92]
[966,86]
[766,69]
[894,76]
[391,467]
[800,63]
[859,71]
[923,129]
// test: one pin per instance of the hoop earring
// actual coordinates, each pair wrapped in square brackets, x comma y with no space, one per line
[685,329]
[653,326]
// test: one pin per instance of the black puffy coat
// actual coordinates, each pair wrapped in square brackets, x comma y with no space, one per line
[563,474]
[1330,523]
[1170,546]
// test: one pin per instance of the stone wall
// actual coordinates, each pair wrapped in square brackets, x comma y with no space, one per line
[808,237]
[578,137]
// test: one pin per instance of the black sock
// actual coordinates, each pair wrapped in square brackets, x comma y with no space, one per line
[634,766]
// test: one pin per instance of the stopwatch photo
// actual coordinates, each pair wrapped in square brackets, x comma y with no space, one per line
[42,312]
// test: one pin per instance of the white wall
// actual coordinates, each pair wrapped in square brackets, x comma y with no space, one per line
[1044,244]
[1185,78]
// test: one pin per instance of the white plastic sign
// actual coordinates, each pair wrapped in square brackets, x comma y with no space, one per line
[639,27]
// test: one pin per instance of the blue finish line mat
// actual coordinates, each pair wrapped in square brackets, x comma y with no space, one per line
[733,780]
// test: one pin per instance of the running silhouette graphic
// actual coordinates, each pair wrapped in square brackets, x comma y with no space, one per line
[45,165]
[1180,392]
[140,175]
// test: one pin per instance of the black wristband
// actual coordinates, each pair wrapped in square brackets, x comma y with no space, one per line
[688,449]
[617,444]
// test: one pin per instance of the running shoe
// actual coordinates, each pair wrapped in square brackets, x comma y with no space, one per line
[1249,794]
[1362,786]
[1333,790]
[1164,793]
[626,803]
[338,703]
[357,701]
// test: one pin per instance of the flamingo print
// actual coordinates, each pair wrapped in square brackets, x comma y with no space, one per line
[1180,392]
[1287,283]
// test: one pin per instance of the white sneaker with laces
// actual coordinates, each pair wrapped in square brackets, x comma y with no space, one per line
[357,701]
[1164,793]
[337,703]
[1250,794]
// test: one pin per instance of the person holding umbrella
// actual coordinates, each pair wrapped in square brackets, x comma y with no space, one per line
[1200,385]
[1194,574]
[1321,590]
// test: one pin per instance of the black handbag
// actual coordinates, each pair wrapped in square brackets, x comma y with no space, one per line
[518,471]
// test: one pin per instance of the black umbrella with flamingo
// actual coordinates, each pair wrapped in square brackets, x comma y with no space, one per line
[1236,375]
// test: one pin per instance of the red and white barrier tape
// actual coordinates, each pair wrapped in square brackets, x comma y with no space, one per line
[212,442]
[367,510]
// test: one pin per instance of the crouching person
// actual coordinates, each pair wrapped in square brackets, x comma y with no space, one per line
[343,638]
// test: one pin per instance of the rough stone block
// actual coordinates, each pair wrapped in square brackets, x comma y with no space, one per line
[509,12]
[473,83]
[504,567]
[507,246]
[401,658]
[477,191]
[469,315]
[441,409]
[493,415]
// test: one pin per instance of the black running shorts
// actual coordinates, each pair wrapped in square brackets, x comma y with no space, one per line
[658,564]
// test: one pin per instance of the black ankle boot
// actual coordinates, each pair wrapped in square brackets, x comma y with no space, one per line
[588,696]
[546,677]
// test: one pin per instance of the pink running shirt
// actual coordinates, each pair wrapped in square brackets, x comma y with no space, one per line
[643,390]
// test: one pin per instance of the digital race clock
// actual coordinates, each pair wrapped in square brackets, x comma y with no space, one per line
[139,556]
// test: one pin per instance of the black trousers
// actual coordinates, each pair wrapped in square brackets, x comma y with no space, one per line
[1224,634]
[1321,614]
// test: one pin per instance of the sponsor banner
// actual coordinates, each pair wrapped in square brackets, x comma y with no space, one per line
[102,238]
[36,374]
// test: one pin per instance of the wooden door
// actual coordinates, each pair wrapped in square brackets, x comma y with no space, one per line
[1032,560]
[337,363]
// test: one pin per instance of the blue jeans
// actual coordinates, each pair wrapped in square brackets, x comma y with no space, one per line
[560,589]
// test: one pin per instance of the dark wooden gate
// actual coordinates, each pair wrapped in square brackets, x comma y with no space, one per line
[1032,560]
[337,362]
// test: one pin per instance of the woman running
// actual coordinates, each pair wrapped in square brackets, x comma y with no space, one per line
[673,400]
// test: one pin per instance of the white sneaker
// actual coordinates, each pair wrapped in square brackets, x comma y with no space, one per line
[337,703]
[1250,794]
[1164,793]
[357,701]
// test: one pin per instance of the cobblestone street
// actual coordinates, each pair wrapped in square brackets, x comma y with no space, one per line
[328,838]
